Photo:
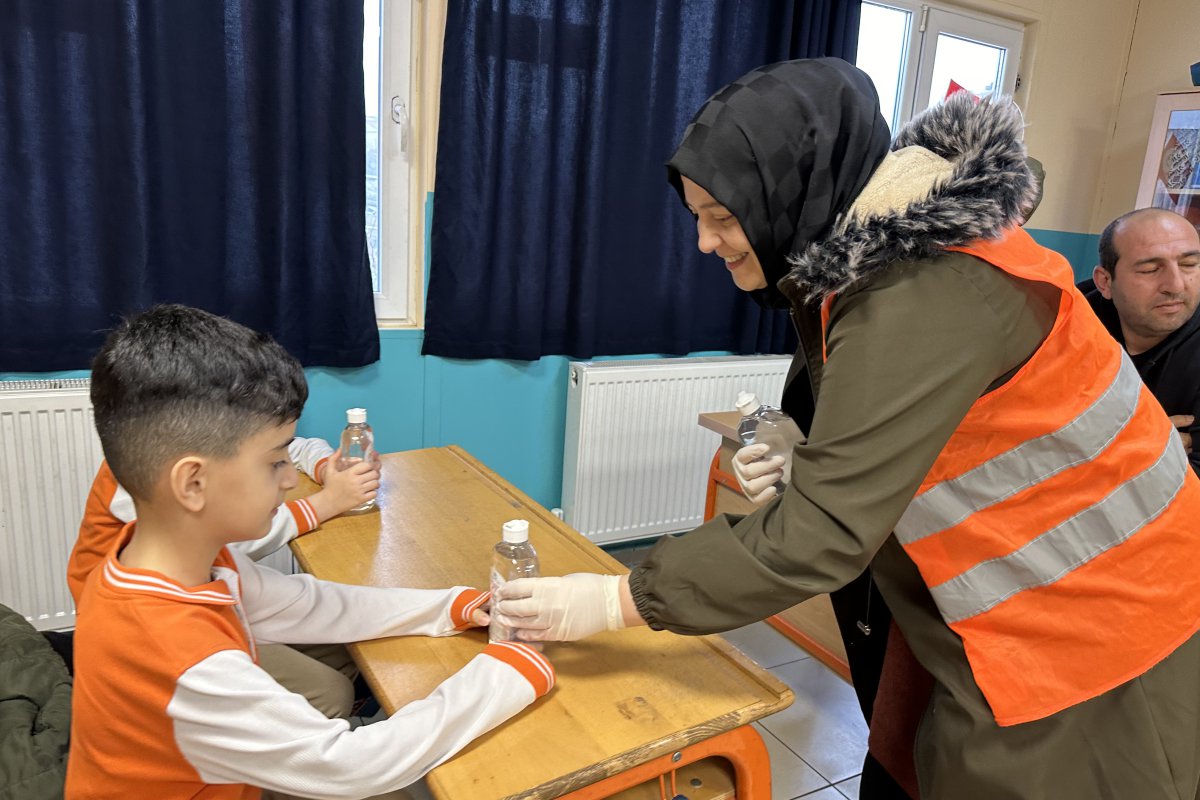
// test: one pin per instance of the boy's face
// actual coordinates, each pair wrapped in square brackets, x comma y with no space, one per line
[244,492]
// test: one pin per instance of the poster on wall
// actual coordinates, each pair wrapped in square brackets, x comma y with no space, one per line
[1177,183]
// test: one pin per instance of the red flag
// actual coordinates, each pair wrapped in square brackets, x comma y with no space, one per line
[955,87]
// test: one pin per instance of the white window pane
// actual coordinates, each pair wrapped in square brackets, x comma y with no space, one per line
[976,67]
[882,45]
[371,96]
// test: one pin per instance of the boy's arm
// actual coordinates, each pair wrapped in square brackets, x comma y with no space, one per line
[108,509]
[310,456]
[299,609]
[235,724]
[292,519]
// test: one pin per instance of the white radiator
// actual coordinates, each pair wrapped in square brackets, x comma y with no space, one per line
[636,460]
[49,455]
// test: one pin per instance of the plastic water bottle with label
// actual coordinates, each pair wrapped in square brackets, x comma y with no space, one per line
[357,445]
[764,424]
[513,557]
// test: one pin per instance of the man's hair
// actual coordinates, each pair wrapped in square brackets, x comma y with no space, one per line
[1108,250]
[176,380]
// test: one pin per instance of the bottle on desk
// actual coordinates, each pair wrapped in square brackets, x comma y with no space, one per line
[764,424]
[513,557]
[357,445]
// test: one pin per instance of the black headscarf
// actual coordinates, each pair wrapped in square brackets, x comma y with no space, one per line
[786,148]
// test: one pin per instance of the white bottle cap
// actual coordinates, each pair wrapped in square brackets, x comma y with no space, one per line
[516,531]
[747,403]
[356,415]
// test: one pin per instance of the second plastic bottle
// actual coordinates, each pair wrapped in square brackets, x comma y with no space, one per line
[357,445]
[764,424]
[513,557]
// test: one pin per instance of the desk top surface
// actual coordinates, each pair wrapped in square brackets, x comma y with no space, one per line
[722,422]
[622,698]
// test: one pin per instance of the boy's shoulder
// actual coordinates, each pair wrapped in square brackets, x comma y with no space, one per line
[143,616]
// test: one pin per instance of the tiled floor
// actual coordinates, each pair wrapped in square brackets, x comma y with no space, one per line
[818,743]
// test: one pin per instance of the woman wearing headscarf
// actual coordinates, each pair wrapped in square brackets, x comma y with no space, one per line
[977,441]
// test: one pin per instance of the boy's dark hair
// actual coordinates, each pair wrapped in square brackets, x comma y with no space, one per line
[175,380]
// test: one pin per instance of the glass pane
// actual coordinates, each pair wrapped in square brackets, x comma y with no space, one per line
[882,46]
[371,10]
[1177,185]
[975,67]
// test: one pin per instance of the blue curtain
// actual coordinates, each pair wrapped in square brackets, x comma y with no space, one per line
[554,230]
[208,152]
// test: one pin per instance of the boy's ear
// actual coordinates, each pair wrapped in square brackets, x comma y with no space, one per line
[188,481]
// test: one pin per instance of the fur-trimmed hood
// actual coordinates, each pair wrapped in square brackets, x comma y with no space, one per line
[991,188]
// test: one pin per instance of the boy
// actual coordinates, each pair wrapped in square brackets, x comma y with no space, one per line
[323,674]
[195,414]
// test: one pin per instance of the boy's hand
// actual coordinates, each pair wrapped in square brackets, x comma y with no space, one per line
[467,609]
[345,489]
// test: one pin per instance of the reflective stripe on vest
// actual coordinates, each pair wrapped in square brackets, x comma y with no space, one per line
[1055,530]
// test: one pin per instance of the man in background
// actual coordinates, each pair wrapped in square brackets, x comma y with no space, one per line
[1146,290]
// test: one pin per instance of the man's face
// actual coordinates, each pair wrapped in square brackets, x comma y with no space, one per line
[1155,284]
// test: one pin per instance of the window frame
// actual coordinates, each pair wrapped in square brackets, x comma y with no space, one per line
[410,75]
[926,22]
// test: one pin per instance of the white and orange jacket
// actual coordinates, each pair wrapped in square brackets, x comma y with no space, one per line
[169,702]
[109,508]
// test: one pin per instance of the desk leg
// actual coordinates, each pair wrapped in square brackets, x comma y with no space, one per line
[742,747]
[717,478]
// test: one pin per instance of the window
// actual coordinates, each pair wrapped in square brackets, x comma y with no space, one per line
[391,230]
[915,52]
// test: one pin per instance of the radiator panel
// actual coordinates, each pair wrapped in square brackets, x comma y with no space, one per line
[49,454]
[636,460]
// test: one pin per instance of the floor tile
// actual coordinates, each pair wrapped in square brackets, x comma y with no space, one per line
[828,793]
[767,646]
[850,787]
[824,726]
[630,556]
[790,776]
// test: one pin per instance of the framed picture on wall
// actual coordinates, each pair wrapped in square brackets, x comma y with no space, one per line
[1171,171]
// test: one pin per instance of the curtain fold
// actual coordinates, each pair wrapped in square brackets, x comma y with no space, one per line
[207,152]
[554,230]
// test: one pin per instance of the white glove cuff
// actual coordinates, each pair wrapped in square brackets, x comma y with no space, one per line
[612,602]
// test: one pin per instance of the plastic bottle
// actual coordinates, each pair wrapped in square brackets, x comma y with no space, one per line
[764,424]
[357,445]
[513,557]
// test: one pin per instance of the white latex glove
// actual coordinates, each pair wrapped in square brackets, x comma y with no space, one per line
[757,476]
[559,609]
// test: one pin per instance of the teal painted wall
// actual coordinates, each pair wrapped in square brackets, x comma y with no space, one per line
[509,414]
[1078,248]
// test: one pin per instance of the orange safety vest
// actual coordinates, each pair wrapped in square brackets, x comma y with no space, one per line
[1056,530]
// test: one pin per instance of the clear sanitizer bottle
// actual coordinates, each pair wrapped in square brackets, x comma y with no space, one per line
[764,424]
[357,445]
[513,557]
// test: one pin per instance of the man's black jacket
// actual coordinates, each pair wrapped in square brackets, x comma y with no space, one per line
[1170,369]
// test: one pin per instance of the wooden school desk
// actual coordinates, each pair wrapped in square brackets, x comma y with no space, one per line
[628,706]
[810,624]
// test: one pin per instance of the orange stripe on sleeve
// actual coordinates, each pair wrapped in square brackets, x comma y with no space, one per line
[302,511]
[467,602]
[532,665]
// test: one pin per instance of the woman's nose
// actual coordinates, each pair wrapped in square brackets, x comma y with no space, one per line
[706,238]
